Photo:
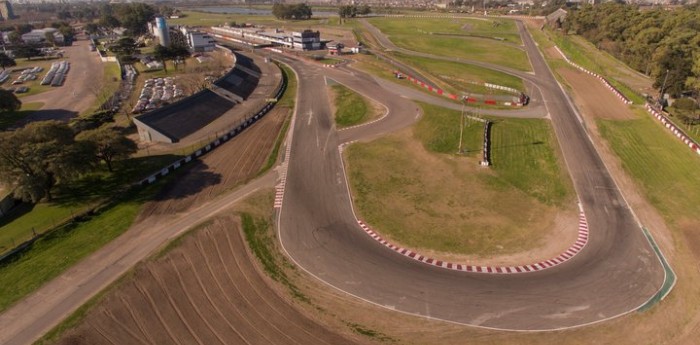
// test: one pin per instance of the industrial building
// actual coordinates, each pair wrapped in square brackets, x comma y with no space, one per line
[305,40]
[198,41]
[162,31]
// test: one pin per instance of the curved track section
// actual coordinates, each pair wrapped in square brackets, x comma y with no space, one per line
[615,274]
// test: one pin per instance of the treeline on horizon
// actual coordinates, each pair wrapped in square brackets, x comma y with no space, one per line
[657,42]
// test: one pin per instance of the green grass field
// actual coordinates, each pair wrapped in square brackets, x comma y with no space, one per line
[51,255]
[466,78]
[665,168]
[466,48]
[9,118]
[416,35]
[478,27]
[415,189]
[71,200]
[351,108]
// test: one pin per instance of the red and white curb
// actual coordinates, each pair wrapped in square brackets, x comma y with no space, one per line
[672,127]
[574,249]
[603,80]
[279,188]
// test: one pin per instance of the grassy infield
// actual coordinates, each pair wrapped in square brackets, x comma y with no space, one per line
[445,202]
[352,109]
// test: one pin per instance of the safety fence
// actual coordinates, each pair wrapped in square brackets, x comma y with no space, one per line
[692,144]
[603,80]
[486,160]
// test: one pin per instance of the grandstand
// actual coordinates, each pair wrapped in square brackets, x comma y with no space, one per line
[174,122]
[178,120]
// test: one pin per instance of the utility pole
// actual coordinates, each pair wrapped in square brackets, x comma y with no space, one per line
[663,88]
[461,129]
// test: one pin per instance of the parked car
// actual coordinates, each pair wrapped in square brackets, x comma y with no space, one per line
[22,89]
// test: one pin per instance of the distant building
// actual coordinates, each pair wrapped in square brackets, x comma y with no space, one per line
[162,32]
[307,40]
[39,36]
[198,41]
[6,10]
[556,18]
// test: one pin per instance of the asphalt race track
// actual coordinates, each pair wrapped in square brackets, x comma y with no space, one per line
[614,274]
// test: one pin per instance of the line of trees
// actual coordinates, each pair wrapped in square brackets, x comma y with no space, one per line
[352,11]
[660,43]
[293,11]
[37,157]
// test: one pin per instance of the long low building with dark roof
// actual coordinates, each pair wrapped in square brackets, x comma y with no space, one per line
[176,121]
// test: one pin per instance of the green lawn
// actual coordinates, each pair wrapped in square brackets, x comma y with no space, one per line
[59,250]
[487,28]
[9,118]
[414,188]
[73,199]
[666,169]
[351,108]
[523,155]
[466,48]
[463,77]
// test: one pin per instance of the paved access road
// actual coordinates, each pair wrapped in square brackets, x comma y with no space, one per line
[615,273]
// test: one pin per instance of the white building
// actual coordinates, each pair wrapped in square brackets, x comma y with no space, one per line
[198,41]
[305,40]
[39,35]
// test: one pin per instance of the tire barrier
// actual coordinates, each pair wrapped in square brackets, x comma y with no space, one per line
[218,141]
[486,161]
[605,82]
[692,144]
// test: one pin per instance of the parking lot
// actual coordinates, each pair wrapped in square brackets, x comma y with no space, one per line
[77,93]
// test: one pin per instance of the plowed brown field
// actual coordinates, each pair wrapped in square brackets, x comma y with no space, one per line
[224,168]
[206,291]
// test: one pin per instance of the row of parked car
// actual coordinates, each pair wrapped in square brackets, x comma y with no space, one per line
[156,93]
[27,74]
[56,74]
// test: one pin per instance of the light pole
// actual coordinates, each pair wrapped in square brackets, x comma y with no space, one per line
[461,128]
[663,88]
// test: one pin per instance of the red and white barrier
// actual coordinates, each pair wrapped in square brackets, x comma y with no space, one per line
[603,80]
[456,97]
[673,128]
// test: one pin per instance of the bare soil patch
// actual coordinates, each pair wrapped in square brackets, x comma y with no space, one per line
[205,291]
[553,53]
[223,169]
[594,98]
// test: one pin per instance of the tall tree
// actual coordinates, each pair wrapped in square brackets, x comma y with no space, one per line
[6,61]
[8,101]
[162,54]
[35,158]
[109,144]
